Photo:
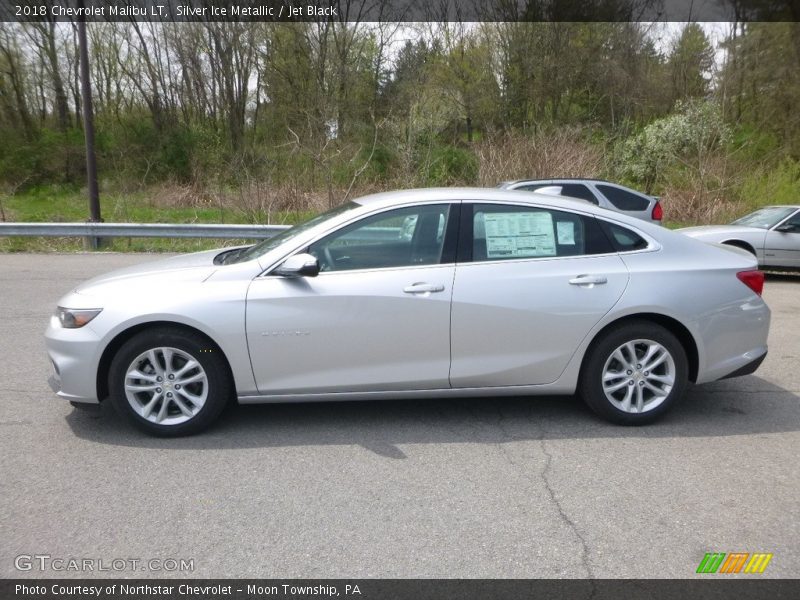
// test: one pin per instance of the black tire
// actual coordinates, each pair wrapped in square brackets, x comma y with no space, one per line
[218,378]
[590,386]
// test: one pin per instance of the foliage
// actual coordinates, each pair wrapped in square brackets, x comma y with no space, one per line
[760,81]
[691,63]
[685,139]
[277,118]
[448,165]
[778,185]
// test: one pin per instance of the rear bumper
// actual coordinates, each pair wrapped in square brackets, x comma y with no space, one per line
[733,339]
[748,368]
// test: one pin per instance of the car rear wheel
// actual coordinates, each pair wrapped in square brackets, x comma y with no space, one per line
[635,373]
[169,382]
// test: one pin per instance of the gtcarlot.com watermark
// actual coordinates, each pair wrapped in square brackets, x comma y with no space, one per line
[46,562]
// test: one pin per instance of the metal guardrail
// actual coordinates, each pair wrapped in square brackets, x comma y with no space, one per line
[149,230]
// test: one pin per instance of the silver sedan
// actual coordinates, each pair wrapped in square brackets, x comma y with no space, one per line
[422,293]
[771,234]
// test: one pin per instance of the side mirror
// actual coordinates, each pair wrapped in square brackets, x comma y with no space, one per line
[787,228]
[299,265]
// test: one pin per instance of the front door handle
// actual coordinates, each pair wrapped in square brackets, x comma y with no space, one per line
[423,288]
[588,280]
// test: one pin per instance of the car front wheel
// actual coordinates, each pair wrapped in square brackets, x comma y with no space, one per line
[169,382]
[635,373]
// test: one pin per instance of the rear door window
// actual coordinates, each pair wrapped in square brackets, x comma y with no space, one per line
[506,232]
[578,190]
[572,190]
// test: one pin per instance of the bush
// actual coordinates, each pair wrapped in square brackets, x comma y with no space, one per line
[680,141]
[50,157]
[448,165]
[780,185]
[543,155]
[135,151]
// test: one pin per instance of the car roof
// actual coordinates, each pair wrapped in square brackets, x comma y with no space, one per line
[549,179]
[397,198]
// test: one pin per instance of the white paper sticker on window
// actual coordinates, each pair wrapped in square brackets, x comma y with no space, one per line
[566,233]
[519,235]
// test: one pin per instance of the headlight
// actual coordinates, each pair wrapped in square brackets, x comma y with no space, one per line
[73,318]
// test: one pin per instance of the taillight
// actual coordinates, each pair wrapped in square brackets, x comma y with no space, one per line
[752,279]
[658,212]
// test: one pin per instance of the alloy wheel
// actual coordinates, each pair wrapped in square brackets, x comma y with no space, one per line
[638,376]
[166,386]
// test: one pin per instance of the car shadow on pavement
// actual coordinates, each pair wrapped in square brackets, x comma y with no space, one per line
[743,406]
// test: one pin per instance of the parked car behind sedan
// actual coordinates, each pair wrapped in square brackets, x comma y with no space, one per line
[771,234]
[600,193]
[417,294]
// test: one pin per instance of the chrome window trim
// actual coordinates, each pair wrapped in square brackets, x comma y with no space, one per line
[267,271]
[534,259]
[376,269]
[652,245]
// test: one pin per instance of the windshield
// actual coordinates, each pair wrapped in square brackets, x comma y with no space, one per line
[765,217]
[273,242]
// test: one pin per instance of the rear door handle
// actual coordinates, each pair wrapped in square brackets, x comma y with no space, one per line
[423,288]
[588,280]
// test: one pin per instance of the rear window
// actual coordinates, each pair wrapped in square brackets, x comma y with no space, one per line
[623,239]
[623,199]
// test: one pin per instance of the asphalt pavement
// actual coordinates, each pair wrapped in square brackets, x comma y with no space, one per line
[508,487]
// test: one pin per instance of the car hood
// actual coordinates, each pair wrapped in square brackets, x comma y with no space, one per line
[708,230]
[176,269]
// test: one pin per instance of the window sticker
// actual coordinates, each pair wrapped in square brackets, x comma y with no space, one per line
[566,233]
[519,235]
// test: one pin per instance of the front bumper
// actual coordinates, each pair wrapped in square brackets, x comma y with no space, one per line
[74,354]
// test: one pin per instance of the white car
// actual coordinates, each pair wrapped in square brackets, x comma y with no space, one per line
[421,293]
[771,234]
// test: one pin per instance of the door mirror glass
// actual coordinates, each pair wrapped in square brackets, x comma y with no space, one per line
[299,265]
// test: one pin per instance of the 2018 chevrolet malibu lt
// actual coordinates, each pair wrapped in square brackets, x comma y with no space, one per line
[597,191]
[771,234]
[421,293]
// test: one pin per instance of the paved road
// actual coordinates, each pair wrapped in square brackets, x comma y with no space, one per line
[456,488]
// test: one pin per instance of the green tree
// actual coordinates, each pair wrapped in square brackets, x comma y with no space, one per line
[691,64]
[760,81]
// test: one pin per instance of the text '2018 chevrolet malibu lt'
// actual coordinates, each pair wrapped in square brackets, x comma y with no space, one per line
[420,293]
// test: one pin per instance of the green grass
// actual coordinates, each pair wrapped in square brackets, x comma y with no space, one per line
[677,224]
[62,204]
[59,205]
